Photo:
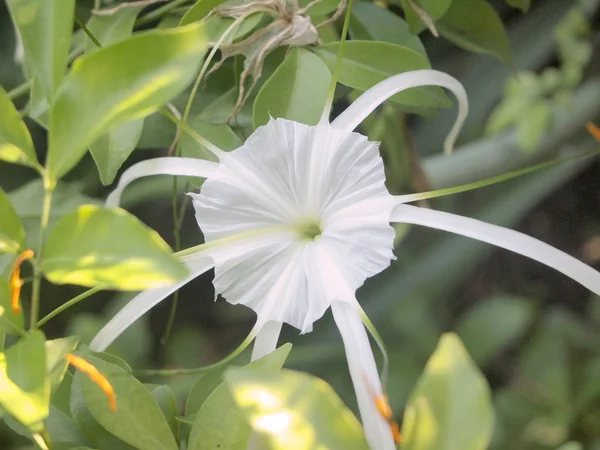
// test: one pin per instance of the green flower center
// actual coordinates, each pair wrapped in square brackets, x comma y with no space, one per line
[309,229]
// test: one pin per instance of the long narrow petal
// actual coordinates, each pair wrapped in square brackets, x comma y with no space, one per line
[143,302]
[189,167]
[501,237]
[372,98]
[363,372]
[266,339]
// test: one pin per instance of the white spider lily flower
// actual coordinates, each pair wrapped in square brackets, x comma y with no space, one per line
[297,218]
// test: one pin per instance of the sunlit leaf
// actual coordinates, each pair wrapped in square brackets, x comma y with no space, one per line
[450,408]
[10,321]
[112,28]
[95,246]
[434,9]
[56,363]
[24,384]
[297,90]
[12,234]
[366,63]
[133,82]
[45,26]
[219,422]
[294,410]
[16,145]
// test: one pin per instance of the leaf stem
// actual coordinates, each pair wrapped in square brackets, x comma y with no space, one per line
[20,90]
[37,267]
[68,304]
[338,63]
[89,34]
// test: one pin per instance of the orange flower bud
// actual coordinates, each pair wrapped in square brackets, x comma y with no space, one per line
[593,130]
[95,375]
[15,282]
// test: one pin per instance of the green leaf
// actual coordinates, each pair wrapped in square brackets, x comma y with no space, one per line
[10,322]
[297,90]
[113,28]
[475,26]
[12,235]
[16,145]
[450,408]
[201,389]
[374,23]
[63,430]
[484,335]
[56,364]
[366,63]
[294,410]
[45,26]
[133,83]
[219,422]
[523,5]
[433,8]
[138,419]
[97,246]
[199,11]
[111,150]
[533,122]
[165,398]
[24,384]
[220,135]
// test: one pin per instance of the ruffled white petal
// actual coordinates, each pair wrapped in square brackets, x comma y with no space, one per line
[502,237]
[284,174]
[363,372]
[266,339]
[189,167]
[142,303]
[372,98]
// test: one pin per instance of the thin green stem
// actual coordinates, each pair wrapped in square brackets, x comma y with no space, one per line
[40,440]
[89,34]
[338,62]
[97,4]
[68,304]
[37,267]
[20,90]
[197,370]
[159,12]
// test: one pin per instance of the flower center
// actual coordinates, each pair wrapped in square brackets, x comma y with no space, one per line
[309,229]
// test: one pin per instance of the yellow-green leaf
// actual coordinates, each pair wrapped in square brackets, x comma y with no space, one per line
[16,145]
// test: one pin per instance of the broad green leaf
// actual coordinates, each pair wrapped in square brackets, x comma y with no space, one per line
[199,11]
[63,430]
[133,83]
[321,8]
[97,246]
[533,122]
[433,8]
[24,384]
[16,145]
[484,335]
[294,410]
[10,322]
[523,5]
[220,135]
[45,26]
[112,28]
[475,26]
[374,23]
[12,235]
[201,389]
[138,419]
[450,408]
[165,398]
[366,63]
[56,364]
[111,150]
[220,423]
[297,90]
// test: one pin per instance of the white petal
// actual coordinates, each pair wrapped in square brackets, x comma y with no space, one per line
[266,339]
[189,167]
[372,98]
[363,372]
[501,237]
[145,301]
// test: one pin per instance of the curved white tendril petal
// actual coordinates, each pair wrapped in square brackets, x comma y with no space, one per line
[266,339]
[189,167]
[142,303]
[372,98]
[363,372]
[502,237]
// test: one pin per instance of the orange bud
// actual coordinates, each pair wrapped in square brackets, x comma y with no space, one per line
[381,402]
[16,283]
[396,432]
[95,375]
[593,130]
